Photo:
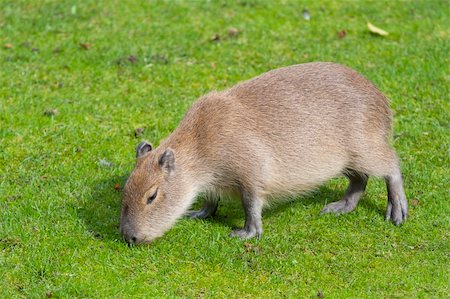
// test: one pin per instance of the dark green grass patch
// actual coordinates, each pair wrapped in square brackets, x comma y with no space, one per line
[77,78]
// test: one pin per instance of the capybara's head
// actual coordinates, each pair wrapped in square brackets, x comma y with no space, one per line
[154,195]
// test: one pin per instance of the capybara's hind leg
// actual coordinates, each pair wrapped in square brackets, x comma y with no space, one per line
[382,161]
[352,196]
[397,208]
[385,163]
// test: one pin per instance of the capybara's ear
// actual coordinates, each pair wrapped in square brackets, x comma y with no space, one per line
[143,148]
[167,161]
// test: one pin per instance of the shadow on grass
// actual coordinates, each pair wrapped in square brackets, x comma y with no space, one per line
[230,212]
[102,211]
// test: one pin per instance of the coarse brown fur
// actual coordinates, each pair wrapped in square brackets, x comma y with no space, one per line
[283,132]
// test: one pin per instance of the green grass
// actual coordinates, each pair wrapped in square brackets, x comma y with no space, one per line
[59,206]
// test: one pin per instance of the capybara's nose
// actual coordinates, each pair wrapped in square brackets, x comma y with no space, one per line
[131,239]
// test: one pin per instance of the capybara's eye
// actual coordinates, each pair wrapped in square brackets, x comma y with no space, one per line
[152,197]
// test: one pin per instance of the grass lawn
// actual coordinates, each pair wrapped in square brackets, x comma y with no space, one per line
[78,77]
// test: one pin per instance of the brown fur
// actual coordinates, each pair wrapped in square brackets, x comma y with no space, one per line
[283,132]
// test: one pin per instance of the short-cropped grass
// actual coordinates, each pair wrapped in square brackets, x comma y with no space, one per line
[77,78]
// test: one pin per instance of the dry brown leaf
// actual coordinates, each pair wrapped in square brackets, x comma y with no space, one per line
[375,30]
[51,112]
[86,46]
[233,32]
[320,294]
[132,58]
[342,33]
[215,37]
[8,46]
